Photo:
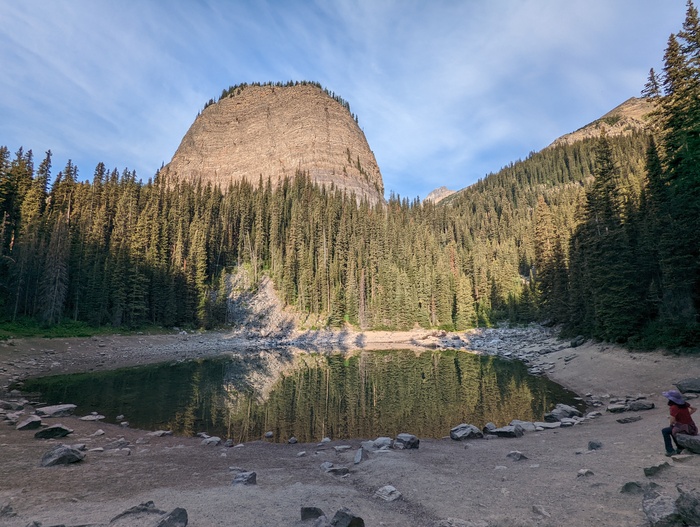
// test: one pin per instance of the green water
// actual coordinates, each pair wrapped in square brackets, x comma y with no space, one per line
[365,395]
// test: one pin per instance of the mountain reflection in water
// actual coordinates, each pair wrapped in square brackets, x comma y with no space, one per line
[360,395]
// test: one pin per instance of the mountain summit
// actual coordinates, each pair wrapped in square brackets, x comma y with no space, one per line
[275,132]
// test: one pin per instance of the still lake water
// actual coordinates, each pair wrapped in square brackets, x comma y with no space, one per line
[364,395]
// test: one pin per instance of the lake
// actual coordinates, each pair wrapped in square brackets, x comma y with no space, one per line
[359,395]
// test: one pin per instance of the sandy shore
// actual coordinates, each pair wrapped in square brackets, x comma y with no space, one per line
[469,482]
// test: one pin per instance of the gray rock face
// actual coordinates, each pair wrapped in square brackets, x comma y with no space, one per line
[688,505]
[465,431]
[245,478]
[275,132]
[61,455]
[59,410]
[53,432]
[691,443]
[406,441]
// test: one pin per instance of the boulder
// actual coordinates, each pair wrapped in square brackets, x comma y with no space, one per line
[655,469]
[595,445]
[688,505]
[465,431]
[292,440]
[690,443]
[515,455]
[616,408]
[547,426]
[406,441]
[30,423]
[92,417]
[630,419]
[175,518]
[211,441]
[578,341]
[160,433]
[147,515]
[688,385]
[61,455]
[660,510]
[527,426]
[345,518]
[59,410]
[53,432]
[488,428]
[359,453]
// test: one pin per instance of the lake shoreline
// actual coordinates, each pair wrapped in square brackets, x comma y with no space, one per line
[434,480]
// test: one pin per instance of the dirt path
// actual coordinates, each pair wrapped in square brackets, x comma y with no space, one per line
[472,482]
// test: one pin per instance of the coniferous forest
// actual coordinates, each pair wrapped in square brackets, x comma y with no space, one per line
[601,236]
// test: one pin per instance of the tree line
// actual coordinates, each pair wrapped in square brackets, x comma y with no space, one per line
[601,236]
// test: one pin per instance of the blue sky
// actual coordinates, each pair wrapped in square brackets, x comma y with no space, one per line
[445,91]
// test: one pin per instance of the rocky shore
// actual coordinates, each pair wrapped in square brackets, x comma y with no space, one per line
[605,467]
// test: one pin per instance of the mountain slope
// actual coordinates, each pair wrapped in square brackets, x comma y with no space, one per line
[275,132]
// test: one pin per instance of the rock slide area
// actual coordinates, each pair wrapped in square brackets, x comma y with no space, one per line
[605,467]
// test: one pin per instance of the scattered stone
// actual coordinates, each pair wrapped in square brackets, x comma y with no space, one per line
[527,426]
[406,441]
[117,444]
[634,487]
[97,433]
[53,432]
[160,433]
[488,428]
[97,449]
[547,426]
[6,510]
[92,417]
[578,341]
[595,445]
[124,424]
[292,440]
[539,509]
[560,412]
[30,423]
[326,466]
[465,431]
[508,431]
[616,408]
[655,469]
[345,518]
[120,417]
[630,419]
[301,454]
[388,493]
[637,406]
[341,448]
[269,434]
[175,518]
[584,473]
[690,443]
[228,443]
[245,478]
[311,513]
[568,421]
[359,454]
[211,441]
[660,510]
[516,455]
[338,471]
[61,455]
[203,435]
[59,410]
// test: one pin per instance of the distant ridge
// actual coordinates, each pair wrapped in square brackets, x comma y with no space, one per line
[275,131]
[632,115]
[437,195]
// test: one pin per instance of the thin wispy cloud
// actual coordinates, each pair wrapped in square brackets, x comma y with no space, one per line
[445,91]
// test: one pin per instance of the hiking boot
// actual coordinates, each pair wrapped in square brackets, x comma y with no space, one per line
[680,450]
[670,453]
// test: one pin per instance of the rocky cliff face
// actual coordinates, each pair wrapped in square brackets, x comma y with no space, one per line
[631,115]
[437,195]
[274,132]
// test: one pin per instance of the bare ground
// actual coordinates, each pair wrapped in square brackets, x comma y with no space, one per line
[470,481]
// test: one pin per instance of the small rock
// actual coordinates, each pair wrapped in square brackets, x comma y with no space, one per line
[341,448]
[655,469]
[245,478]
[516,455]
[269,434]
[92,417]
[637,406]
[338,471]
[630,419]
[53,432]
[311,513]
[160,433]
[584,473]
[59,410]
[508,431]
[539,509]
[30,423]
[387,493]
[61,455]
[301,454]
[326,440]
[211,441]
[406,441]
[120,417]
[292,440]
[345,518]
[616,408]
[595,445]
[175,518]
[124,424]
[465,431]
[97,433]
[326,466]
[358,456]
